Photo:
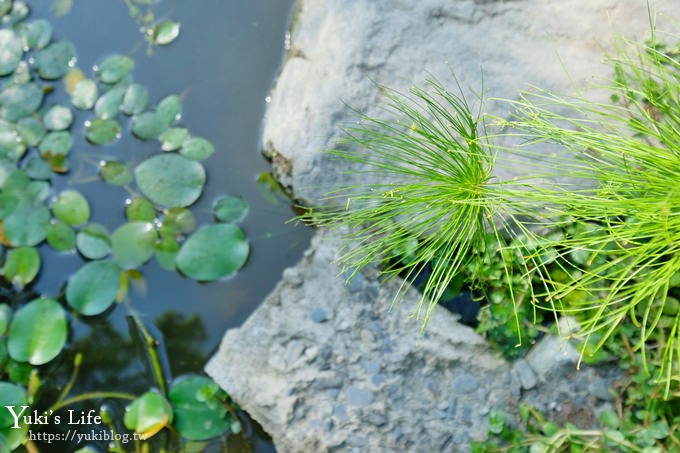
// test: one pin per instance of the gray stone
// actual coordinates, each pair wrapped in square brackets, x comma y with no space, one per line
[525,374]
[358,397]
[341,52]
[327,382]
[550,355]
[466,414]
[332,394]
[292,276]
[464,383]
[371,367]
[378,379]
[294,351]
[413,378]
[340,413]
[326,353]
[318,315]
[311,353]
[602,389]
[376,418]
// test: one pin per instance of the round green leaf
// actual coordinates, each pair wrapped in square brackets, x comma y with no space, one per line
[21,265]
[53,61]
[38,332]
[11,147]
[58,118]
[85,94]
[166,253]
[61,7]
[93,288]
[148,125]
[5,7]
[61,237]
[18,101]
[11,51]
[135,100]
[101,131]
[168,109]
[22,74]
[115,173]
[230,209]
[7,168]
[5,317]
[18,13]
[140,209]
[71,208]
[71,79]
[38,34]
[10,395]
[93,241]
[173,138]
[133,244]
[37,191]
[27,224]
[180,219]
[8,202]
[148,414]
[165,32]
[30,130]
[56,143]
[198,413]
[170,180]
[37,168]
[108,105]
[16,182]
[12,438]
[197,148]
[213,252]
[114,68]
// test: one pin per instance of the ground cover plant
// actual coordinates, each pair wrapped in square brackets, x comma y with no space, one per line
[38,142]
[590,230]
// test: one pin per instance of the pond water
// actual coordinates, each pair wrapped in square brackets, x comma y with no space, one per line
[223,65]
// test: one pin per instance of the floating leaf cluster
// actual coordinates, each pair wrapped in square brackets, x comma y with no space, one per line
[36,140]
[157,33]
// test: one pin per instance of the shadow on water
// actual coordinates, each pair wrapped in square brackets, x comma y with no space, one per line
[223,64]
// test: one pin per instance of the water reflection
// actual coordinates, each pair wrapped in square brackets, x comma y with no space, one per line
[223,63]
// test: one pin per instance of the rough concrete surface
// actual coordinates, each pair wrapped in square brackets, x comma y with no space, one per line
[325,366]
[329,367]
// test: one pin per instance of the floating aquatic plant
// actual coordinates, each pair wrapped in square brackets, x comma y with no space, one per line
[36,146]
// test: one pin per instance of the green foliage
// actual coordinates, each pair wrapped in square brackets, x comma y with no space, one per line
[36,140]
[132,244]
[93,288]
[201,260]
[230,209]
[647,426]
[37,332]
[148,414]
[165,32]
[439,193]
[71,207]
[602,249]
[199,408]
[21,265]
[170,180]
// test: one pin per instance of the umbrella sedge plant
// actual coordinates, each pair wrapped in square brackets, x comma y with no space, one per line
[611,167]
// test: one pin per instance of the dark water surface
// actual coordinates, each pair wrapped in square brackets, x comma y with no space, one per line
[223,64]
